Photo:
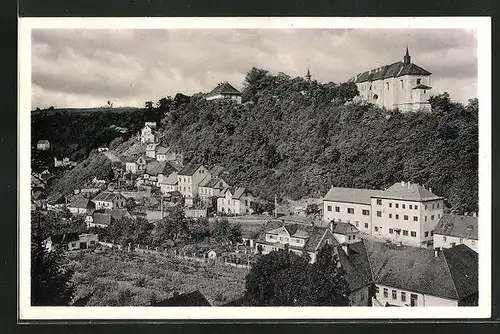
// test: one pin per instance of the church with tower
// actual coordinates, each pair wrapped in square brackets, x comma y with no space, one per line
[401,85]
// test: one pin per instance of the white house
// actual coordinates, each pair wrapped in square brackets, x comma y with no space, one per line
[189,179]
[454,230]
[224,91]
[134,166]
[109,200]
[43,145]
[81,206]
[296,238]
[344,233]
[401,85]
[211,187]
[405,213]
[151,150]
[71,241]
[157,172]
[169,184]
[148,133]
[235,201]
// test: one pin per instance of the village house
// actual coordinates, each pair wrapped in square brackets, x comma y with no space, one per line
[296,238]
[344,233]
[71,241]
[109,200]
[401,85]
[454,230]
[104,217]
[56,202]
[43,145]
[64,162]
[189,179]
[224,91]
[235,201]
[211,187]
[405,213]
[148,133]
[151,150]
[135,166]
[102,149]
[81,206]
[157,171]
[167,154]
[169,184]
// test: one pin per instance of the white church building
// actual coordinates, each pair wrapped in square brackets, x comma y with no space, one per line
[401,85]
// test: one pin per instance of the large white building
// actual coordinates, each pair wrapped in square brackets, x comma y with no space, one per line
[401,85]
[405,213]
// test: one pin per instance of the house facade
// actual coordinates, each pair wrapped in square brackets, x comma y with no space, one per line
[71,241]
[189,179]
[109,200]
[157,172]
[235,201]
[147,134]
[453,230]
[405,213]
[224,91]
[296,238]
[401,85]
[151,150]
[211,187]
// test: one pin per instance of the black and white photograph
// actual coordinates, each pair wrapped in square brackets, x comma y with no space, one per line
[255,168]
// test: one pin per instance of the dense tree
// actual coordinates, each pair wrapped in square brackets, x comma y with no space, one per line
[312,209]
[50,280]
[226,233]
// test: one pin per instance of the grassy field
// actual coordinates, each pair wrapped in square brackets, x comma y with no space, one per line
[117,278]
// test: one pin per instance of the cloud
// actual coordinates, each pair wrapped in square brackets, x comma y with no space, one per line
[85,68]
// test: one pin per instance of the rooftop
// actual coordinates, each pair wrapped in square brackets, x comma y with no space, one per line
[189,169]
[458,226]
[224,88]
[159,167]
[107,196]
[394,70]
[351,195]
[344,228]
[408,191]
[81,203]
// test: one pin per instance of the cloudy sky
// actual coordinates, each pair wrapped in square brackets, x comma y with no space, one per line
[86,68]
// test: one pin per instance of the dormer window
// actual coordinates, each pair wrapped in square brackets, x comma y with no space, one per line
[419,81]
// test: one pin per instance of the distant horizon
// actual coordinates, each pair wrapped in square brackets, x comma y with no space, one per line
[78,68]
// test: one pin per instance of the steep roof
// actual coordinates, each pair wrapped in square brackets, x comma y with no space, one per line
[393,70]
[107,196]
[217,171]
[189,169]
[351,195]
[159,167]
[419,270]
[356,265]
[458,226]
[344,228]
[408,191]
[224,88]
[114,213]
[80,203]
[195,298]
[171,179]
[237,192]
[162,150]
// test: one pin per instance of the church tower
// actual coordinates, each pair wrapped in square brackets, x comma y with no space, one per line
[308,75]
[407,58]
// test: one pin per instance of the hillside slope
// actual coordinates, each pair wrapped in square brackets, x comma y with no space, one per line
[295,138]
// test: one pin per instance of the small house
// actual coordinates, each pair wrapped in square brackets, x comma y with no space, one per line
[224,91]
[151,150]
[81,206]
[453,230]
[109,200]
[235,201]
[71,241]
[43,145]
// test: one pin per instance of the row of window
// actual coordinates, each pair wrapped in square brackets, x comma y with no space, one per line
[394,295]
[410,206]
[405,232]
[184,179]
[364,212]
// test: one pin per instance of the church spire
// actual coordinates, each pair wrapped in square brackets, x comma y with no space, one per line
[407,58]
[308,75]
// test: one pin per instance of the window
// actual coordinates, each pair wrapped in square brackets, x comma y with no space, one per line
[432,232]
[416,207]
[366,225]
[405,232]
[413,300]
[415,218]
[419,81]
[362,296]
[353,237]
[397,205]
[390,205]
[405,217]
[391,231]
[379,201]
[92,242]
[387,85]
[394,294]
[425,218]
[401,84]
[337,209]
[403,206]
[397,216]
[413,234]
[350,210]
[73,244]
[426,207]
[379,213]
[403,296]
[357,223]
[349,237]
[432,217]
[411,207]
[426,234]
[329,208]
[390,215]
[366,212]
[437,205]
[376,289]
[444,238]
[386,292]
[433,205]
[439,215]
[376,228]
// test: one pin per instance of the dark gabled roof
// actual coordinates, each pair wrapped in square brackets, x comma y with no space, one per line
[189,169]
[344,228]
[393,70]
[162,150]
[356,265]
[351,195]
[114,213]
[419,270]
[56,199]
[463,265]
[408,191]
[159,167]
[81,203]
[43,141]
[224,88]
[58,239]
[422,86]
[237,192]
[107,196]
[458,226]
[195,298]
